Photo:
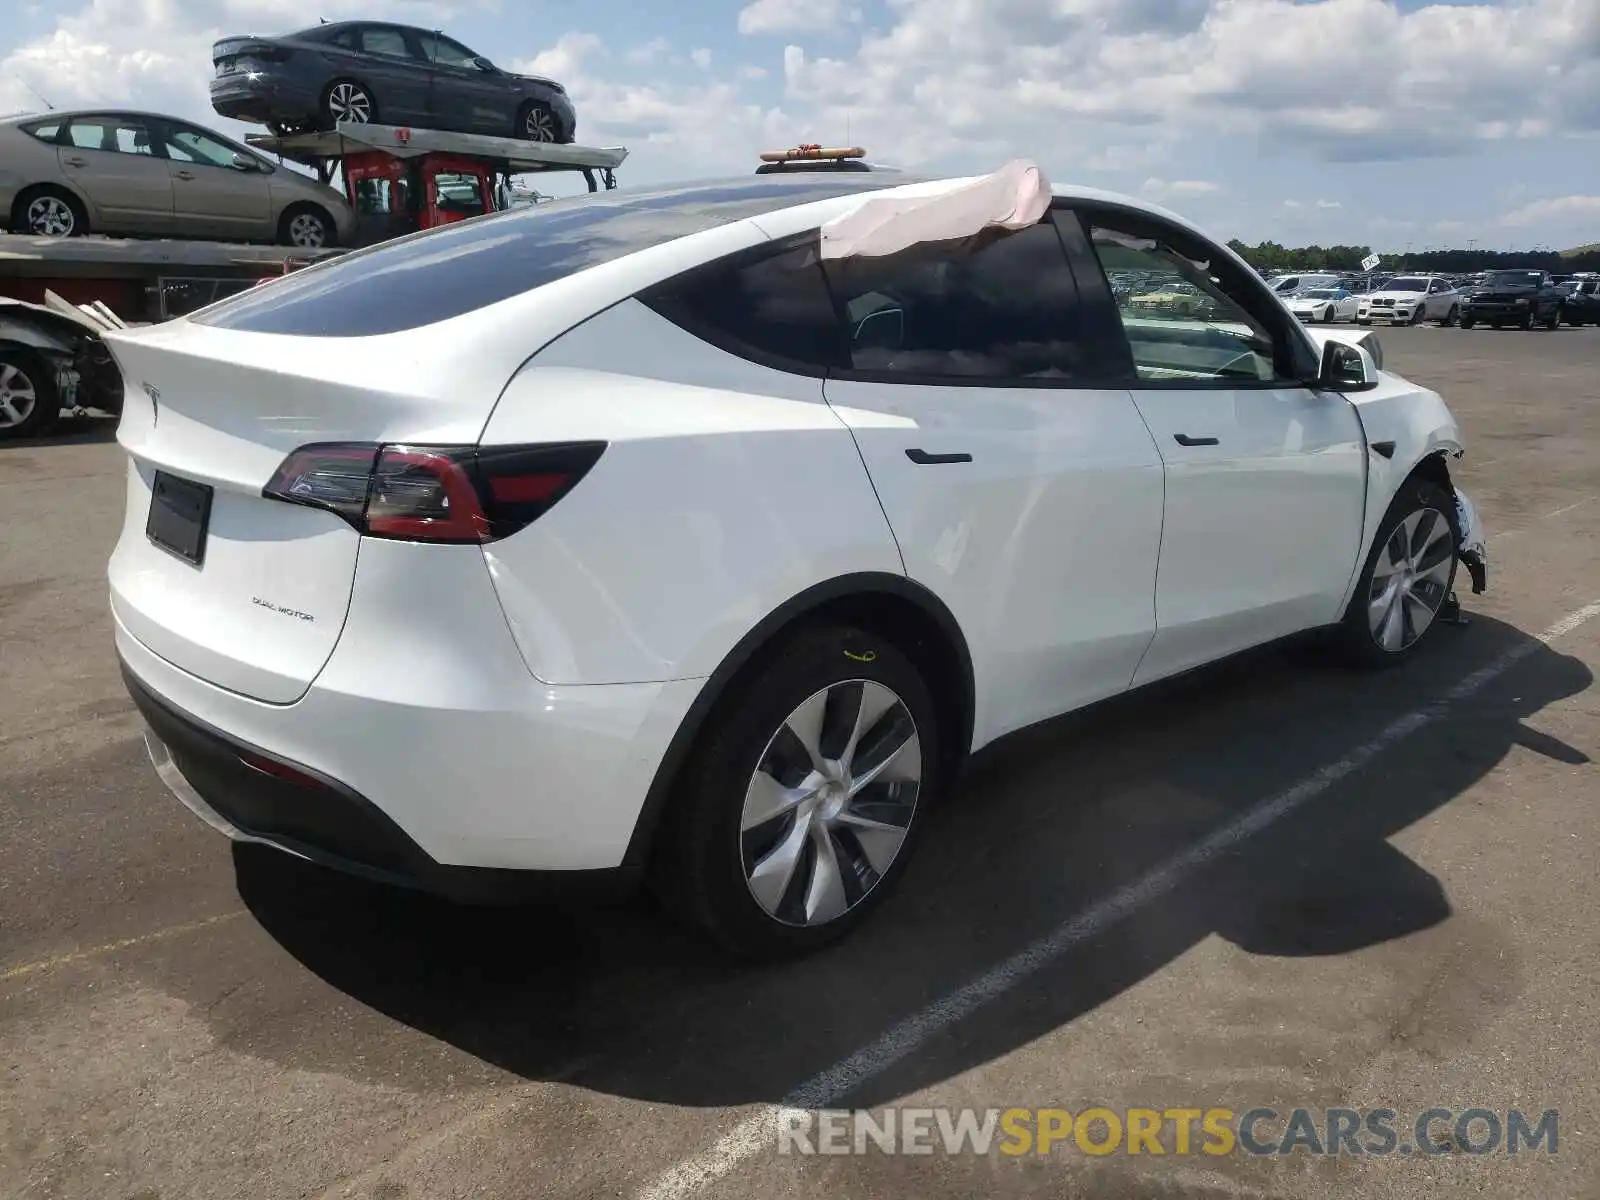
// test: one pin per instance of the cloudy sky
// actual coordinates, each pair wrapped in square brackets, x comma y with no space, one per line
[1390,122]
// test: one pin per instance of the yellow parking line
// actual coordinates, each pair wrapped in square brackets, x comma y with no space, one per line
[66,960]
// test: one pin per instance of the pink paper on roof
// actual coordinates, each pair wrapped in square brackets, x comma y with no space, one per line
[1014,197]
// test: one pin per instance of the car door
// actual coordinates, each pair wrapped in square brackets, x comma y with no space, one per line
[1265,476]
[463,95]
[111,158]
[1021,484]
[391,64]
[211,196]
[1345,309]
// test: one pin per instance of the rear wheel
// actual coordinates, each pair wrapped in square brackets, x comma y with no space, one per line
[1450,317]
[308,227]
[797,813]
[347,100]
[47,211]
[1407,578]
[29,402]
[1553,321]
[1526,320]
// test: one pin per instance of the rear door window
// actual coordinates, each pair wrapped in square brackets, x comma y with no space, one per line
[999,307]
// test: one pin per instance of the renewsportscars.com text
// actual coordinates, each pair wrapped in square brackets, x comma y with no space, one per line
[1371,1132]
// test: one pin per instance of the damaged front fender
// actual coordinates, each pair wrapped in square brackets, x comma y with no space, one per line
[1473,549]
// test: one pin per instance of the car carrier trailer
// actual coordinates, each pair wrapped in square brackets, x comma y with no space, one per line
[399,180]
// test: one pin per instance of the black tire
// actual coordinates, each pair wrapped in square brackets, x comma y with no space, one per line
[66,204]
[350,97]
[1467,322]
[537,122]
[1526,320]
[294,227]
[1363,321]
[698,865]
[20,364]
[1450,317]
[1553,321]
[1417,315]
[1356,637]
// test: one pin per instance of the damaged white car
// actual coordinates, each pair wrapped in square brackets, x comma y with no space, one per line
[700,534]
[52,361]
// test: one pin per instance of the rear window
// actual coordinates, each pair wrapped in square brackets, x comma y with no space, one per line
[463,267]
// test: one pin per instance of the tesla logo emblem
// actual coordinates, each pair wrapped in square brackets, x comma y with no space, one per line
[155,402]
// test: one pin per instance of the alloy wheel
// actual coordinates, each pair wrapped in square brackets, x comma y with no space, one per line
[306,231]
[831,802]
[347,102]
[51,216]
[18,396]
[1410,579]
[539,125]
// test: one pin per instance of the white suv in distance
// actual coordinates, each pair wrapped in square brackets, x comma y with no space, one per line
[627,537]
[1411,300]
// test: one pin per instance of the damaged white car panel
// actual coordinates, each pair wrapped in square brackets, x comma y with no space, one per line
[52,358]
[1406,425]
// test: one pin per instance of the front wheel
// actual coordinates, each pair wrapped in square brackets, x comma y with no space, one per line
[307,227]
[29,402]
[537,122]
[797,813]
[1553,321]
[1450,317]
[1407,577]
[1467,322]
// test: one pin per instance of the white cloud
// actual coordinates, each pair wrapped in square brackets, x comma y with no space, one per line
[751,71]
[1568,208]
[792,16]
[700,57]
[650,51]
[1328,204]
[1294,204]
[1167,189]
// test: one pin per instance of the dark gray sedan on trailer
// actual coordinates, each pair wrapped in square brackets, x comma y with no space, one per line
[379,71]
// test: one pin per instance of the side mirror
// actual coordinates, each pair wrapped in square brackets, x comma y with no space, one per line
[1346,369]
[243,162]
[483,64]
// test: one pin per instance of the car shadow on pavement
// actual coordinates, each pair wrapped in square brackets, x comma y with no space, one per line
[1043,828]
[84,430]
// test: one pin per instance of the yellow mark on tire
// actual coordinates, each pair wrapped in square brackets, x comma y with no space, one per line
[865,656]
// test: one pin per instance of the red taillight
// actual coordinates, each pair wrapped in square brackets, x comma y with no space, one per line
[432,493]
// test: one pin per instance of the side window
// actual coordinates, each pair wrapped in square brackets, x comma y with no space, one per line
[45,133]
[775,307]
[458,194]
[184,144]
[379,39]
[1002,306]
[346,39]
[442,50]
[116,135]
[1182,314]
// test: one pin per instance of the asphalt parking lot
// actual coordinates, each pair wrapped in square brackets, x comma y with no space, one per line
[1272,883]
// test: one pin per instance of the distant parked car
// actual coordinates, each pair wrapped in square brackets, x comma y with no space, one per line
[1324,305]
[1520,298]
[365,71]
[1288,285]
[1581,305]
[66,173]
[1411,300]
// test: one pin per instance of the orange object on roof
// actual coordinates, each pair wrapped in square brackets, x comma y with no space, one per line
[812,150]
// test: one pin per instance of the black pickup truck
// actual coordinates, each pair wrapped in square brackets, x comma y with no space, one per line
[1520,298]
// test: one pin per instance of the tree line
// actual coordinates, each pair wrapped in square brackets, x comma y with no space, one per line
[1272,256]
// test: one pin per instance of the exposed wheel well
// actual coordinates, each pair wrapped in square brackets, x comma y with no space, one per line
[888,606]
[1435,469]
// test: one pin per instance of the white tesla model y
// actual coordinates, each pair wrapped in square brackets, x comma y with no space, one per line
[632,537]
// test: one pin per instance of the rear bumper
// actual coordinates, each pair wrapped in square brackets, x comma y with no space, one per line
[432,745]
[261,99]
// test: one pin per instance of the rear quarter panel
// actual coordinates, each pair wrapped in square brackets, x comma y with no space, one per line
[726,488]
